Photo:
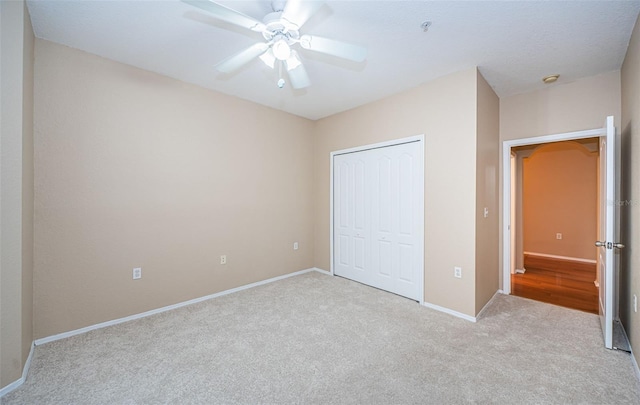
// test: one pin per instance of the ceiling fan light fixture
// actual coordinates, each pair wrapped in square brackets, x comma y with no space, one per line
[281,49]
[293,61]
[268,58]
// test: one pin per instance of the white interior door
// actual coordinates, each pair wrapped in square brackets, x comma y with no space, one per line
[351,215]
[606,239]
[378,217]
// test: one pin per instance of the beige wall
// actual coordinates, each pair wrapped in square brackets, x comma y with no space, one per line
[562,107]
[134,169]
[444,110]
[487,155]
[630,206]
[16,196]
[560,196]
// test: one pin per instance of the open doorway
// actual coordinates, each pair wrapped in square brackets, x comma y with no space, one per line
[554,212]
[511,225]
[607,242]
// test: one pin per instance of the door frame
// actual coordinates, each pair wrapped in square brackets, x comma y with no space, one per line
[411,139]
[506,188]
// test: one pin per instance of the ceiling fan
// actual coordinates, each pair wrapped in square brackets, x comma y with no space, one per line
[281,31]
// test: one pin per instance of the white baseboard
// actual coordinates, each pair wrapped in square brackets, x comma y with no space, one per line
[64,335]
[573,259]
[25,372]
[4,391]
[479,315]
[521,271]
[27,364]
[634,363]
[37,342]
[325,272]
[460,314]
[450,311]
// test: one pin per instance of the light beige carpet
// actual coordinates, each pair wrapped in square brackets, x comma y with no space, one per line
[316,339]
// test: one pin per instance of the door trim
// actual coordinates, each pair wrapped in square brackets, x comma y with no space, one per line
[394,142]
[506,188]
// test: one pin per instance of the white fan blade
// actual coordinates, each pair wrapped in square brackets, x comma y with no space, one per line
[297,73]
[333,47]
[240,59]
[299,77]
[226,14]
[298,12]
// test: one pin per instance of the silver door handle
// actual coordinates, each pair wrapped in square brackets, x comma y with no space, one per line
[609,245]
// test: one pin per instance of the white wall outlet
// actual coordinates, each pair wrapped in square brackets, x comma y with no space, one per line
[137,273]
[295,245]
[457,272]
[223,259]
[486,212]
[558,236]
[635,303]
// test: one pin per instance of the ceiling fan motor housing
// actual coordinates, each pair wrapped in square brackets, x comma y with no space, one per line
[279,27]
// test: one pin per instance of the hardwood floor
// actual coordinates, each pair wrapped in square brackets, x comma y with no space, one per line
[560,282]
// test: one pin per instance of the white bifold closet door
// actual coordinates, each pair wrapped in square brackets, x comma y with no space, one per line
[378,217]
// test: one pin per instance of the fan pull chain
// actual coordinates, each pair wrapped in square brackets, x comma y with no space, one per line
[281,81]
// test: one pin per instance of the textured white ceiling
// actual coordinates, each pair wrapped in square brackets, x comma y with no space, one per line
[514,43]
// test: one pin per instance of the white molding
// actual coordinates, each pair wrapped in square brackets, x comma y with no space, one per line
[520,271]
[64,335]
[400,141]
[573,259]
[449,311]
[479,315]
[325,272]
[566,136]
[506,216]
[27,364]
[4,391]
[25,372]
[331,230]
[393,142]
[634,363]
[506,188]
[466,317]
